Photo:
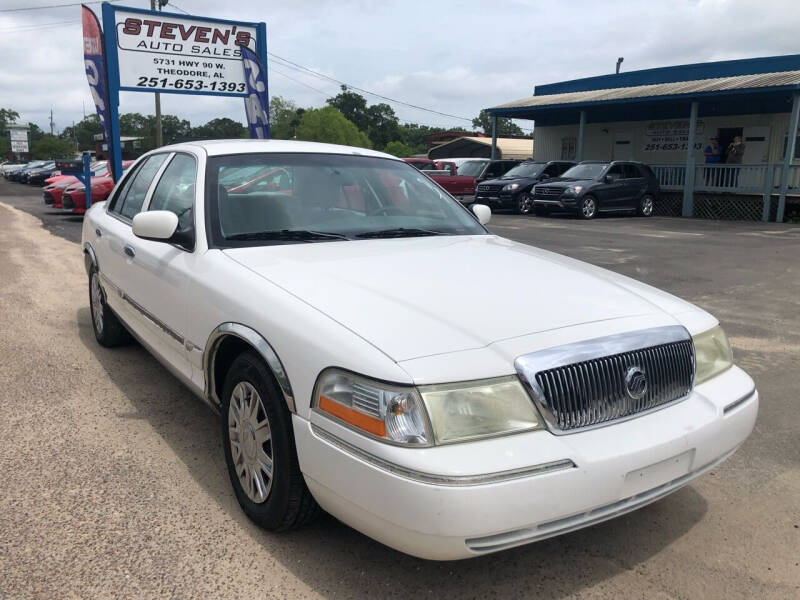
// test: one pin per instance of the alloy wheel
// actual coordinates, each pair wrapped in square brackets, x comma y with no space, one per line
[251,442]
[97,304]
[588,208]
[525,204]
[647,206]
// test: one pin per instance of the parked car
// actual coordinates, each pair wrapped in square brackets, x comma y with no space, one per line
[484,168]
[343,349]
[10,166]
[17,174]
[445,173]
[74,196]
[592,186]
[514,189]
[99,169]
[25,174]
[38,176]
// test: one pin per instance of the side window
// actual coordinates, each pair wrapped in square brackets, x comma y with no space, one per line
[615,172]
[553,170]
[175,190]
[140,183]
[116,202]
[563,167]
[632,172]
[496,169]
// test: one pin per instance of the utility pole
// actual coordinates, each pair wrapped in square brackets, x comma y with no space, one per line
[159,135]
[52,125]
[619,63]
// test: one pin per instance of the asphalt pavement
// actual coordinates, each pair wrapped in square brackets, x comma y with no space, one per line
[113,482]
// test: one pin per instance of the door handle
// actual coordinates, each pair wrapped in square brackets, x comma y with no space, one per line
[130,251]
[98,232]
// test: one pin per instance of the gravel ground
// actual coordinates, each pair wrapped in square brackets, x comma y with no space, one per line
[114,483]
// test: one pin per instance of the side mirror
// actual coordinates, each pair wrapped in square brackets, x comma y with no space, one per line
[483,212]
[609,179]
[156,225]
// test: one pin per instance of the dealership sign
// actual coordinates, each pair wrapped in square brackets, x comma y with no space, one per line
[154,51]
[19,146]
[168,53]
[670,136]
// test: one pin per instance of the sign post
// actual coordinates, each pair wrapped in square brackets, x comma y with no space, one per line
[82,171]
[153,51]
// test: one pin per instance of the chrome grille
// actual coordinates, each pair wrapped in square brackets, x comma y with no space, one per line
[489,188]
[547,191]
[585,384]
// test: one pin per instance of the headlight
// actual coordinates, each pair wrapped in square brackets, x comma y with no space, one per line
[390,412]
[575,189]
[475,409]
[713,354]
[510,187]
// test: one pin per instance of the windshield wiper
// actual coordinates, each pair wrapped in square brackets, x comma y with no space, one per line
[302,235]
[398,232]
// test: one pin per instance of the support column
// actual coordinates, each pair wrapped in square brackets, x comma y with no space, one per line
[688,180]
[581,130]
[789,156]
[494,137]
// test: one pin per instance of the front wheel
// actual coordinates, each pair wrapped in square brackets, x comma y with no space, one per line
[260,449]
[646,205]
[108,330]
[524,204]
[587,207]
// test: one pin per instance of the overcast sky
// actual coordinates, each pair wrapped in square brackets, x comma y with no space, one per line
[454,57]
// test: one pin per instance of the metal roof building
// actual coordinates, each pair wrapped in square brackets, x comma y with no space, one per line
[666,116]
[481,147]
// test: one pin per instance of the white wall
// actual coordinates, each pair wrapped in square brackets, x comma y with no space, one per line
[601,139]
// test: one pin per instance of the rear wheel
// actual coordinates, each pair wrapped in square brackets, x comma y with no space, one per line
[524,203]
[646,205]
[587,207]
[108,330]
[260,449]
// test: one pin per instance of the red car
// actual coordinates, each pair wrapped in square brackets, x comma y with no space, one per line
[55,186]
[74,196]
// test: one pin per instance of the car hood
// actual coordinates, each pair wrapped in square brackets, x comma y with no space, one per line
[565,182]
[415,297]
[509,180]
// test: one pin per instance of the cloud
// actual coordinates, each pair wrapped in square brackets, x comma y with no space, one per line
[454,59]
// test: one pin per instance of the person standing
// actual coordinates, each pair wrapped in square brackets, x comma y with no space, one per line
[734,157]
[712,154]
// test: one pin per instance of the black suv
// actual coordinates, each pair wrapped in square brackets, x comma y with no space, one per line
[482,169]
[593,186]
[513,190]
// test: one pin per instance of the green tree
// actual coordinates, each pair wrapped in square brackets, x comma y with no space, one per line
[504,125]
[414,135]
[329,125]
[35,133]
[378,121]
[222,128]
[284,117]
[399,149]
[51,146]
[353,106]
[83,132]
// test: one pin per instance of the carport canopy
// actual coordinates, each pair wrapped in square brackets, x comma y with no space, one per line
[481,147]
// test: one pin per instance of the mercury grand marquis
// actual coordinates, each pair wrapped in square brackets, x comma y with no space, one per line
[375,352]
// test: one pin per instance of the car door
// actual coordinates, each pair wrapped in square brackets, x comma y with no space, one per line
[610,191]
[114,234]
[158,273]
[636,184]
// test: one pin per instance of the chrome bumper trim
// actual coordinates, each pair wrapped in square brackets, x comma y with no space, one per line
[739,401]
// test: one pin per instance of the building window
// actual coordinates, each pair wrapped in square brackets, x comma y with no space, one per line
[796,147]
[569,147]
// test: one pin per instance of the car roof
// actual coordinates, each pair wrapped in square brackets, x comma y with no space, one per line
[242,146]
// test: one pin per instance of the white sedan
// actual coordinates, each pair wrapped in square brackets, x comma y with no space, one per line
[374,351]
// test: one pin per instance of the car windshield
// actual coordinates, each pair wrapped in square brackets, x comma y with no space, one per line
[526,170]
[585,171]
[472,168]
[298,198]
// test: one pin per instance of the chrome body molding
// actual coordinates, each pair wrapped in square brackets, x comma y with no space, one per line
[739,401]
[89,257]
[528,365]
[263,347]
[444,480]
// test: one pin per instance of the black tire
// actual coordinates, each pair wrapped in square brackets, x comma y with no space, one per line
[524,203]
[108,330]
[587,207]
[646,206]
[541,211]
[288,504]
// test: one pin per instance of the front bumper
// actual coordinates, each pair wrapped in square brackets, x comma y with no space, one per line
[495,200]
[617,468]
